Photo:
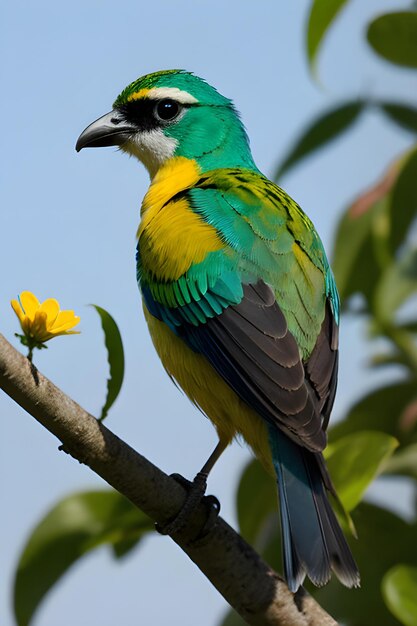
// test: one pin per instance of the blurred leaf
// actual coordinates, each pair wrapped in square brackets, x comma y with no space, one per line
[116,359]
[371,229]
[384,540]
[257,509]
[382,409]
[256,501]
[321,16]
[397,283]
[403,462]
[404,115]
[409,327]
[322,130]
[408,418]
[123,546]
[76,525]
[355,460]
[232,619]
[403,201]
[388,359]
[394,37]
[399,588]
[355,264]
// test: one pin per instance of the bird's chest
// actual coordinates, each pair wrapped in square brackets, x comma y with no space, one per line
[208,391]
[172,238]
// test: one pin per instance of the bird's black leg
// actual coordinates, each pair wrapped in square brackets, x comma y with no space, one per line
[196,490]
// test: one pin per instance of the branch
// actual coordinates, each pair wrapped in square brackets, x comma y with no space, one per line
[246,582]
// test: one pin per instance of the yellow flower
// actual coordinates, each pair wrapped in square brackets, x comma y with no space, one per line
[42,322]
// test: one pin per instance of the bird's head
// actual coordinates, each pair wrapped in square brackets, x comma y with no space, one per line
[172,113]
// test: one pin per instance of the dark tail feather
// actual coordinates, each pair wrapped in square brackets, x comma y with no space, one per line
[313,542]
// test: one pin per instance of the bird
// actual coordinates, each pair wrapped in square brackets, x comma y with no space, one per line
[239,298]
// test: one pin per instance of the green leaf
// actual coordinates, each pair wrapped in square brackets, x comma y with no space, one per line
[371,231]
[76,525]
[403,201]
[388,358]
[256,502]
[384,540]
[233,619]
[394,37]
[397,283]
[322,14]
[355,262]
[116,359]
[355,460]
[322,130]
[399,588]
[403,462]
[404,115]
[382,409]
[409,327]
[257,511]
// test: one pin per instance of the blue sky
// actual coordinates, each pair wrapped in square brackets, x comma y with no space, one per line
[68,226]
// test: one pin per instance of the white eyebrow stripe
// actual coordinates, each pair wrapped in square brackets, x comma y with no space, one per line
[183,97]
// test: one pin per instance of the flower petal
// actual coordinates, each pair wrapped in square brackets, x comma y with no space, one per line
[29,303]
[26,326]
[64,321]
[17,308]
[66,332]
[39,329]
[51,308]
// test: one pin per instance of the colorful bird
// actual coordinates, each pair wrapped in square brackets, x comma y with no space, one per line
[239,299]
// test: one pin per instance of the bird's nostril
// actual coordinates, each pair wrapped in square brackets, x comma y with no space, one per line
[115,120]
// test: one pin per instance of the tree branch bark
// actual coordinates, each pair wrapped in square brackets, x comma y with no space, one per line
[246,582]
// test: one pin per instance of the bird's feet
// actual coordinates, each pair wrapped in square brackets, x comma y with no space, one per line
[195,494]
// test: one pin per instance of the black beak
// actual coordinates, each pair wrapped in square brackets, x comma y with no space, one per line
[109,130]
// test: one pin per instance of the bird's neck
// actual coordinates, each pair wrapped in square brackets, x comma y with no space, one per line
[175,175]
[227,147]
[215,142]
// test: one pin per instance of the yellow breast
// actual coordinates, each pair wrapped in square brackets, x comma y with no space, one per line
[207,390]
[171,235]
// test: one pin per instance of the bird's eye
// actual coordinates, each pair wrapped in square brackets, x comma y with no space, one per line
[167,109]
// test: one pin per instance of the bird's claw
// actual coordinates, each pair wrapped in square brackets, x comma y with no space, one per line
[195,494]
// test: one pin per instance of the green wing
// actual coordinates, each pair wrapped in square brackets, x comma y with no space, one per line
[273,240]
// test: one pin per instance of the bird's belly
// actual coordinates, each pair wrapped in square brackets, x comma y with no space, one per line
[205,388]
